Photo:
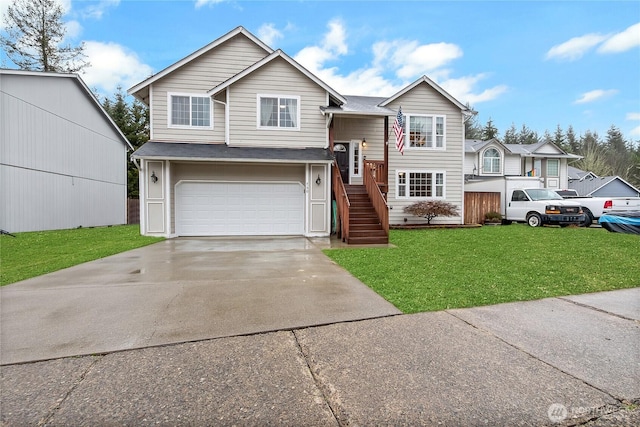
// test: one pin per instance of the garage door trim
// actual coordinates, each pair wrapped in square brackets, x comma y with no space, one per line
[298,205]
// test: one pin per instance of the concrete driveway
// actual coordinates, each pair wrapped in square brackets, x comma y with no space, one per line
[180,290]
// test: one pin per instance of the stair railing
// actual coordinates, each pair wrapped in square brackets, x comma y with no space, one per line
[342,202]
[377,198]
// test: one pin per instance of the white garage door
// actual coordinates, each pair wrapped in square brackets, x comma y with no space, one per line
[239,208]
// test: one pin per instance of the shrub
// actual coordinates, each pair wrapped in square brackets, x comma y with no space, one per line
[492,217]
[432,208]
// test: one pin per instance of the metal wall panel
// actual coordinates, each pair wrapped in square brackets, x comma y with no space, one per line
[63,164]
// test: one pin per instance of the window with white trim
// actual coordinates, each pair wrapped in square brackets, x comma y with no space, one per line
[425,131]
[491,161]
[419,184]
[553,167]
[278,112]
[190,111]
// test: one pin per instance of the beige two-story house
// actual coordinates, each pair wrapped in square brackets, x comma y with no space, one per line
[246,141]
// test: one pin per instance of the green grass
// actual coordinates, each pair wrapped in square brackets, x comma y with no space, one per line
[437,269]
[32,254]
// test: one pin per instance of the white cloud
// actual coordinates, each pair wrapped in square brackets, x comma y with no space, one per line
[200,3]
[620,42]
[635,131]
[462,89]
[633,116]
[73,29]
[113,65]
[97,9]
[269,34]
[333,45]
[405,60]
[576,47]
[410,59]
[595,95]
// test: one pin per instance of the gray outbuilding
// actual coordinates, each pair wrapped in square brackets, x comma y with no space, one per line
[63,161]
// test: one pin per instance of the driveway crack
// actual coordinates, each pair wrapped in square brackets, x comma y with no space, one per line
[335,410]
[56,407]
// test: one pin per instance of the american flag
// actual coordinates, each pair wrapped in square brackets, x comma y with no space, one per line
[399,131]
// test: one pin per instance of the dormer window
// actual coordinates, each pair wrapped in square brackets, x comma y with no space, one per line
[278,112]
[190,111]
[491,161]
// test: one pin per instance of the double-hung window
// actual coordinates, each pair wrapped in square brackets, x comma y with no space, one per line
[419,184]
[278,112]
[425,131]
[190,111]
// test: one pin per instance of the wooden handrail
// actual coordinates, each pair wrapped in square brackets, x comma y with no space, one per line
[376,196]
[342,202]
[379,170]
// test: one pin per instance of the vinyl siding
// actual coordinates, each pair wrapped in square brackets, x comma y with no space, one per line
[63,164]
[277,78]
[197,77]
[425,100]
[371,128]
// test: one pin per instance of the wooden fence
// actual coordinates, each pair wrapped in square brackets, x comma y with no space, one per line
[133,211]
[476,204]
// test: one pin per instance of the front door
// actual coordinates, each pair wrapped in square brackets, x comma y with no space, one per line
[341,151]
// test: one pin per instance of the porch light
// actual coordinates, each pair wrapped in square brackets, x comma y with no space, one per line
[154,178]
[364,143]
[318,180]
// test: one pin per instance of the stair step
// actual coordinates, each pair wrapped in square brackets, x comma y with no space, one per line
[367,233]
[368,240]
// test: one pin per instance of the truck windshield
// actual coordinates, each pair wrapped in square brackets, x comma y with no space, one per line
[543,194]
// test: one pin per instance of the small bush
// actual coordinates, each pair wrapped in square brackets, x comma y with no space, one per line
[430,209]
[492,217]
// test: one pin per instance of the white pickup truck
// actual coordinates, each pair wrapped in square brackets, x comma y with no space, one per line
[595,207]
[540,206]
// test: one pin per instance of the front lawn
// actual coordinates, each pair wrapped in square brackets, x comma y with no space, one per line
[436,269]
[32,254]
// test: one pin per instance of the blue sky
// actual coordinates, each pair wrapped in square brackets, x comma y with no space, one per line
[539,63]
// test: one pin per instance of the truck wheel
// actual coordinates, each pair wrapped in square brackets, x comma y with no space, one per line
[534,220]
[588,218]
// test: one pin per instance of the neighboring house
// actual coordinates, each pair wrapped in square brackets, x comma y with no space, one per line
[63,161]
[243,141]
[491,166]
[589,184]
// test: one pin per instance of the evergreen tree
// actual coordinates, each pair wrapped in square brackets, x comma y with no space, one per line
[571,141]
[133,120]
[34,35]
[559,139]
[489,131]
[527,136]
[511,135]
[618,153]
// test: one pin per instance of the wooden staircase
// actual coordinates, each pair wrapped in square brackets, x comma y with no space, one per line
[364,224]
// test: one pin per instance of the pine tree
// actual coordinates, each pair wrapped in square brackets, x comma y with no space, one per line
[559,139]
[510,136]
[489,131]
[572,142]
[34,35]
[133,121]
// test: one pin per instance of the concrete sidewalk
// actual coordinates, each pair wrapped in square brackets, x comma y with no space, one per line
[559,361]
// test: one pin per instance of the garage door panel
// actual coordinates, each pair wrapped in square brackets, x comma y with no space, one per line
[239,208]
